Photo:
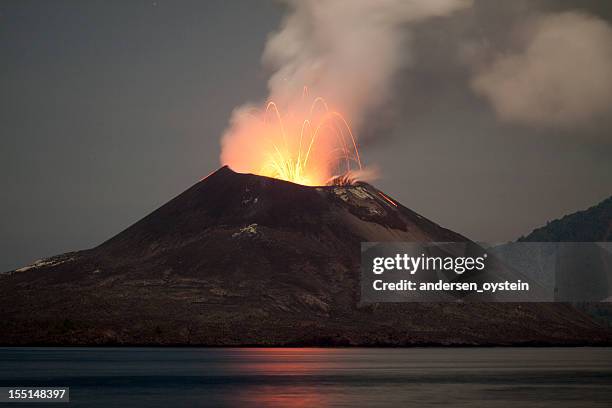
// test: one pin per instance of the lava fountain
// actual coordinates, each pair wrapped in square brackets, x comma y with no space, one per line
[349,55]
[308,142]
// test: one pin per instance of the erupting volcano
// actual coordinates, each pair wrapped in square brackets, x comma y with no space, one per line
[241,259]
[310,143]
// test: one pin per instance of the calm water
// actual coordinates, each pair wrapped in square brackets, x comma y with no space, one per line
[156,377]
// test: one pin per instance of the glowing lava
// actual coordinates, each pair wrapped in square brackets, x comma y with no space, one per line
[309,143]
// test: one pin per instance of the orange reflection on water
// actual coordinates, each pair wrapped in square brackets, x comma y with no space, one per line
[292,376]
[286,396]
[288,361]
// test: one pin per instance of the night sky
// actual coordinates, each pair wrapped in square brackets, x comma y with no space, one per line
[108,109]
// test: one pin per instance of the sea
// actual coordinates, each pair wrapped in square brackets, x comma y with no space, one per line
[315,377]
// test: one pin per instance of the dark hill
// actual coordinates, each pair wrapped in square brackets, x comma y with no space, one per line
[240,259]
[591,225]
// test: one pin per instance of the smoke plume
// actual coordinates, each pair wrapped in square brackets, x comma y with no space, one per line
[346,51]
[560,76]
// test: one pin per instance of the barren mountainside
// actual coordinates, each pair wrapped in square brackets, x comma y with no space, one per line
[240,259]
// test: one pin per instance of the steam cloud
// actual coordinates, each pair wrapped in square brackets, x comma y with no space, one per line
[344,50]
[560,77]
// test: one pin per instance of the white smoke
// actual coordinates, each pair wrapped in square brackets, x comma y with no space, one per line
[561,75]
[346,50]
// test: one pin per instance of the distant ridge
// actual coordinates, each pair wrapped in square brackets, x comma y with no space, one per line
[591,225]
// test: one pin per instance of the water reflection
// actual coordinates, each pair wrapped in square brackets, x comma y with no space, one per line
[162,377]
[288,363]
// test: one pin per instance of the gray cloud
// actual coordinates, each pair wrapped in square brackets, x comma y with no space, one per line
[559,76]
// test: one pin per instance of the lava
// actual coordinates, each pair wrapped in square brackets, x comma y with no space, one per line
[387,198]
[308,143]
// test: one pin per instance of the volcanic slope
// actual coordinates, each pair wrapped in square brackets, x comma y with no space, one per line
[240,259]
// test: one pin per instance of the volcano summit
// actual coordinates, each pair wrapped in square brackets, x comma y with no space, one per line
[240,259]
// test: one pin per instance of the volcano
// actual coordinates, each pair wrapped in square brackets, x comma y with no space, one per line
[240,259]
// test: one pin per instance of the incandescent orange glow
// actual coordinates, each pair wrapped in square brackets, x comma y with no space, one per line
[389,200]
[306,143]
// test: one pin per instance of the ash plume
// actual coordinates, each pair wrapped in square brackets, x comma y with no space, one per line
[559,75]
[345,51]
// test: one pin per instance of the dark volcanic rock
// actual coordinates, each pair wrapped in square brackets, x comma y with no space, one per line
[240,259]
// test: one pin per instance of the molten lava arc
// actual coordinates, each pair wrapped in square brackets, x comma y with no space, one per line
[387,198]
[309,143]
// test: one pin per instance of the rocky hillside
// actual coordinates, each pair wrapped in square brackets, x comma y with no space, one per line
[239,259]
